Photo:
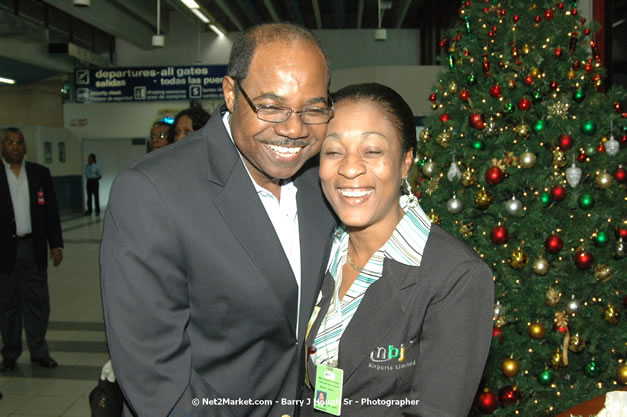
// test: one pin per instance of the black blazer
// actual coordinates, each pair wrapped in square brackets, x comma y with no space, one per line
[44,217]
[199,298]
[440,314]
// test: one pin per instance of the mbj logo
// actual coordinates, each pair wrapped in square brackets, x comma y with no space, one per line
[383,354]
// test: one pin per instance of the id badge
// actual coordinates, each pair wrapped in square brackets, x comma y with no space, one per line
[328,389]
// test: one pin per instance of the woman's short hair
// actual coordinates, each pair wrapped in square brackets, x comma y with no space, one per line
[401,114]
[196,113]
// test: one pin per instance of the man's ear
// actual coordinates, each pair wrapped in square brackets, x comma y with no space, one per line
[228,87]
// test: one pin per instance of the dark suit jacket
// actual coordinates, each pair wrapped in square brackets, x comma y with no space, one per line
[441,315]
[199,298]
[44,217]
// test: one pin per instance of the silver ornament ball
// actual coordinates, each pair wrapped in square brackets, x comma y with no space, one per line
[428,168]
[573,305]
[612,146]
[604,180]
[454,205]
[513,206]
[540,266]
[527,160]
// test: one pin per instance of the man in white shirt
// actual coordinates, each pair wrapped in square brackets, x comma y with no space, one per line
[29,224]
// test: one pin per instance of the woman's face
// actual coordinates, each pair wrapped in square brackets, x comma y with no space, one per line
[158,136]
[183,128]
[362,165]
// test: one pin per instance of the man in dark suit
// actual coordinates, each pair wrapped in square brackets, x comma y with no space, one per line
[213,249]
[29,224]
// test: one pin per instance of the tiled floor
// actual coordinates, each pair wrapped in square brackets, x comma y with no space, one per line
[75,335]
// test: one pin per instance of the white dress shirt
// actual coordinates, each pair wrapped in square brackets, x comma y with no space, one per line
[20,197]
[283,214]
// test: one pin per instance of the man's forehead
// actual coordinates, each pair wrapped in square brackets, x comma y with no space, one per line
[13,136]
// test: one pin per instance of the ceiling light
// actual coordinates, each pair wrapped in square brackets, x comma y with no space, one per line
[81,3]
[7,80]
[190,4]
[216,30]
[158,40]
[200,15]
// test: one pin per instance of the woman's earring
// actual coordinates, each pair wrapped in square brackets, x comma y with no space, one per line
[409,199]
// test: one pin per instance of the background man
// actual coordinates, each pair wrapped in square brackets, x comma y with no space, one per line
[92,176]
[29,223]
[213,249]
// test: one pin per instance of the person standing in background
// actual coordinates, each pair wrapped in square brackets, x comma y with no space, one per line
[159,133]
[93,175]
[29,224]
[188,121]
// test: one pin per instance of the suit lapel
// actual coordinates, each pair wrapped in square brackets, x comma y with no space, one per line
[376,316]
[245,215]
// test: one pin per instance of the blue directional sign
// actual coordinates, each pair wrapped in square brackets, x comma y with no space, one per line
[103,85]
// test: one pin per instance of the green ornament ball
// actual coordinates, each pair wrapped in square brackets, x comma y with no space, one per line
[472,79]
[546,199]
[539,126]
[478,144]
[509,107]
[579,96]
[601,239]
[545,378]
[591,150]
[586,201]
[537,95]
[591,369]
[421,162]
[588,127]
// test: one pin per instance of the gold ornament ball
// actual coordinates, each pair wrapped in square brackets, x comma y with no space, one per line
[483,199]
[527,160]
[621,373]
[535,72]
[511,83]
[510,367]
[518,259]
[604,180]
[468,178]
[611,314]
[556,359]
[429,168]
[559,158]
[571,74]
[552,297]
[603,272]
[443,139]
[434,217]
[536,330]
[452,87]
[425,134]
[525,50]
[540,266]
[522,130]
[434,106]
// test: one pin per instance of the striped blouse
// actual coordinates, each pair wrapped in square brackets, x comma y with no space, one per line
[405,245]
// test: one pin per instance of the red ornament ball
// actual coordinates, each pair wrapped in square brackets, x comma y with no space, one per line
[476,120]
[623,139]
[464,95]
[558,193]
[554,85]
[497,332]
[600,148]
[560,5]
[620,174]
[574,12]
[444,117]
[565,141]
[558,52]
[503,12]
[487,402]
[576,64]
[494,175]
[432,97]
[586,32]
[621,233]
[582,157]
[496,90]
[588,67]
[618,108]
[528,80]
[515,18]
[524,104]
[553,244]
[499,235]
[537,19]
[486,10]
[509,394]
[583,259]
[548,15]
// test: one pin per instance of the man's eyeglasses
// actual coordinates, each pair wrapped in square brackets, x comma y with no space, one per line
[276,114]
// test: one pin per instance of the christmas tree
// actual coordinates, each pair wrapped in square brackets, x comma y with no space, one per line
[524,160]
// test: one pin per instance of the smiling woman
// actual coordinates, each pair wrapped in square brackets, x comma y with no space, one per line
[405,310]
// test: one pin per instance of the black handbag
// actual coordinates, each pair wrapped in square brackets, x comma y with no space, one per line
[106,399]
